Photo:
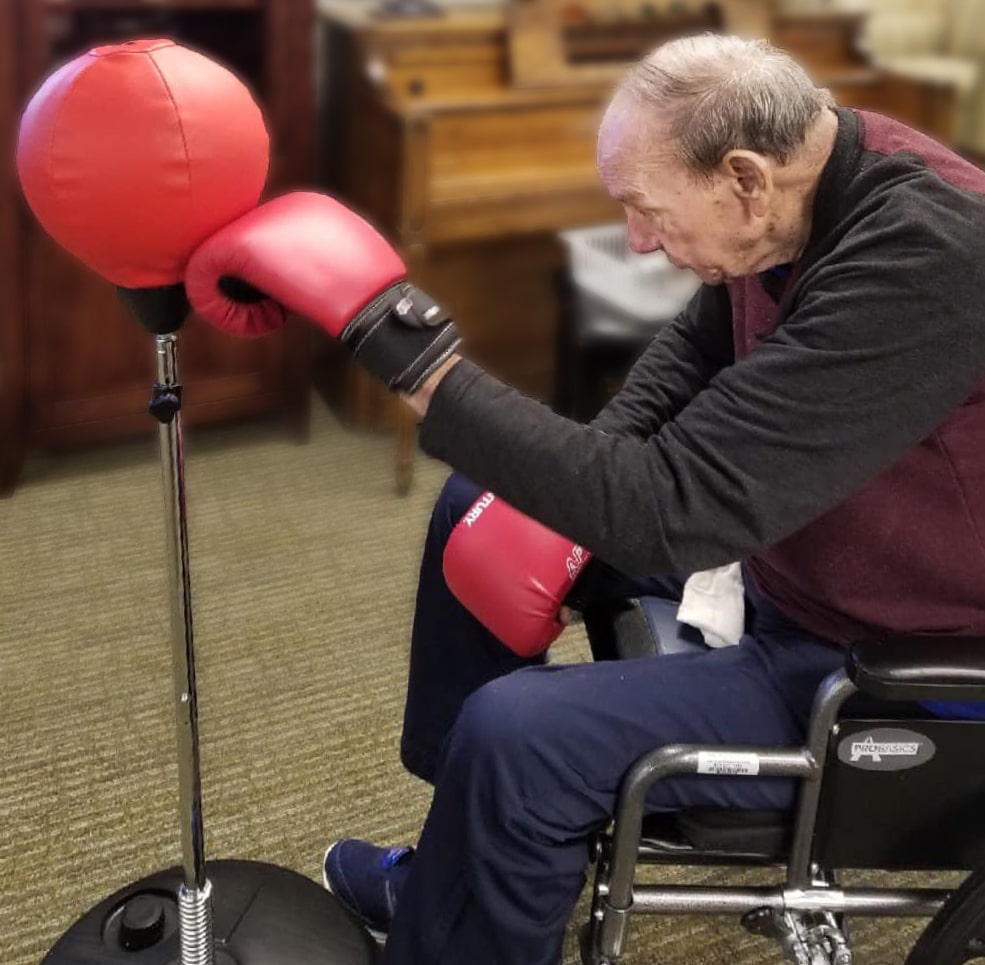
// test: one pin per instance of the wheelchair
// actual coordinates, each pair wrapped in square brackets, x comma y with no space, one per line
[882,795]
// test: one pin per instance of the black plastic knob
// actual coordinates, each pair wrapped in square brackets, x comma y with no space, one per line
[165,403]
[142,923]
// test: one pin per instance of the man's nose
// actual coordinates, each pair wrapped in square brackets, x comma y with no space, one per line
[642,237]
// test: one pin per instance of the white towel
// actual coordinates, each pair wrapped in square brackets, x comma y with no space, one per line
[714,602]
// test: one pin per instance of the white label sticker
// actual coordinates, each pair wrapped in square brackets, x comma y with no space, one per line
[727,765]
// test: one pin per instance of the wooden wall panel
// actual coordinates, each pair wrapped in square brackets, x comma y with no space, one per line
[12,357]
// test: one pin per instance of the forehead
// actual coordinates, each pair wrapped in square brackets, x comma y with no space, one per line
[620,131]
[630,126]
[633,151]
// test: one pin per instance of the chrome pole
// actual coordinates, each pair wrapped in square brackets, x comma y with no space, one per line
[710,900]
[195,893]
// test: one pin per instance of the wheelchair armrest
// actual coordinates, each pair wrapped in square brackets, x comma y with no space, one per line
[920,668]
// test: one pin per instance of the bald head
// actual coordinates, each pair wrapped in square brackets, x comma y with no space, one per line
[714,146]
[701,97]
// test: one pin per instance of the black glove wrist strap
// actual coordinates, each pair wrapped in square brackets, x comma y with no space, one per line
[402,336]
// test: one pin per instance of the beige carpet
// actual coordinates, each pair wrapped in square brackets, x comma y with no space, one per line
[303,567]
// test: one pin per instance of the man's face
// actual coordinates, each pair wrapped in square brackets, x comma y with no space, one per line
[700,223]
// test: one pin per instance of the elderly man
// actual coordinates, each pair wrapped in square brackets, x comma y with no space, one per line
[816,412]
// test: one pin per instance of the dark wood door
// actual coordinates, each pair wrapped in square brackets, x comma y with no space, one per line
[92,367]
[12,353]
[87,368]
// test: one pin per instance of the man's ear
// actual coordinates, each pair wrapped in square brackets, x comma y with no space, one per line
[750,177]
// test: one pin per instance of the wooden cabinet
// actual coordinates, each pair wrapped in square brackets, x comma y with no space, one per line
[472,177]
[74,367]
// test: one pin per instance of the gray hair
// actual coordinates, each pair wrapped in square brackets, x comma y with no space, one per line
[720,93]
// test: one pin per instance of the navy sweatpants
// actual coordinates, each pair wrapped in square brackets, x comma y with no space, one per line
[526,757]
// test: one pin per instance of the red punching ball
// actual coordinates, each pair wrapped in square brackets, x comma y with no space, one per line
[131,155]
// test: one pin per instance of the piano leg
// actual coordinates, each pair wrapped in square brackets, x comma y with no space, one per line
[406,447]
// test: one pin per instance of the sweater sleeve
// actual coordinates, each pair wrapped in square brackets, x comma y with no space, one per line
[882,342]
[678,363]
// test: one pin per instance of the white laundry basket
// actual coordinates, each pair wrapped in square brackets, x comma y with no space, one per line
[648,287]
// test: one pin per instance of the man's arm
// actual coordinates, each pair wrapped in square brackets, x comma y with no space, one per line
[866,367]
[677,364]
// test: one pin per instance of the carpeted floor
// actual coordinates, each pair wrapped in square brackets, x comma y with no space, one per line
[303,567]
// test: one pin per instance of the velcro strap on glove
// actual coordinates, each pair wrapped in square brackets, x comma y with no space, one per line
[402,336]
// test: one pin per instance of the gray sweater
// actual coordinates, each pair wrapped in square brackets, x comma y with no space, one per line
[827,428]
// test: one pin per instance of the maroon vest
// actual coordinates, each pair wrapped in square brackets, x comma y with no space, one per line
[906,552]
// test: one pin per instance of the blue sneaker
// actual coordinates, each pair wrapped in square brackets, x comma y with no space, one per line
[367,880]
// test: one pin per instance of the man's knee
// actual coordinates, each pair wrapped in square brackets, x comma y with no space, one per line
[511,760]
[505,721]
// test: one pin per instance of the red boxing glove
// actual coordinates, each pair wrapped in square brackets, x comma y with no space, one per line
[308,253]
[511,573]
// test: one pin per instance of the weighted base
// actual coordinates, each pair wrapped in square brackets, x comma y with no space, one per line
[264,915]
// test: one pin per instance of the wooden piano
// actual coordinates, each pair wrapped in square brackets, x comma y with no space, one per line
[468,137]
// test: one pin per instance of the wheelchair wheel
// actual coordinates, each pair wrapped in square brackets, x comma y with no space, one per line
[956,934]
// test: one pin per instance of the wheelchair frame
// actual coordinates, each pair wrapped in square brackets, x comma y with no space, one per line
[808,890]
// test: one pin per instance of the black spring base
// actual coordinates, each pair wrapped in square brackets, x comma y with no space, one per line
[263,915]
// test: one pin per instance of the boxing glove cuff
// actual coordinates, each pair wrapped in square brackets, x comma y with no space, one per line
[401,337]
